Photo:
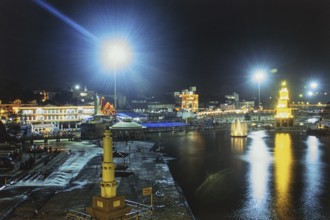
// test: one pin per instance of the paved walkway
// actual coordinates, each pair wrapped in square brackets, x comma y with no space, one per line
[150,170]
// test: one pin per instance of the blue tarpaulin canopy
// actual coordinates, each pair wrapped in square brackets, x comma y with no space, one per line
[164,124]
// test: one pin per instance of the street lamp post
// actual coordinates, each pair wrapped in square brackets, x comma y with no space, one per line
[115,88]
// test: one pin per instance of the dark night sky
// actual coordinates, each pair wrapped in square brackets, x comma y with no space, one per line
[214,45]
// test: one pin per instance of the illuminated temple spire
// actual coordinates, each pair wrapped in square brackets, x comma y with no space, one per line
[283,117]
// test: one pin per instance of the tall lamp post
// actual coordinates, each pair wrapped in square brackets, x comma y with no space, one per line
[259,76]
[117,54]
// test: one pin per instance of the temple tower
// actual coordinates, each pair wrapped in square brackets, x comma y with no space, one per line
[109,205]
[283,117]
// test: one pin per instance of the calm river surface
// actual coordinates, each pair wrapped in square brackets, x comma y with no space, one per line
[268,175]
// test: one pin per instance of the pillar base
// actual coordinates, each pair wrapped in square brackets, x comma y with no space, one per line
[108,208]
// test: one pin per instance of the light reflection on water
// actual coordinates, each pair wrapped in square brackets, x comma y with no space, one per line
[238,145]
[313,179]
[268,175]
[259,158]
[283,169]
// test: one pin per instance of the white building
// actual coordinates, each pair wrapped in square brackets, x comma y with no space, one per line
[52,116]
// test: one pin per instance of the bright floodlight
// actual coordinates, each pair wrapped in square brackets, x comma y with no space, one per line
[116,53]
[259,75]
[77,87]
[313,85]
[310,93]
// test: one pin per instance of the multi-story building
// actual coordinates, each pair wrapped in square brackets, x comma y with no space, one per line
[6,109]
[160,107]
[49,117]
[138,104]
[83,97]
[213,104]
[187,99]
[227,107]
[246,105]
[233,100]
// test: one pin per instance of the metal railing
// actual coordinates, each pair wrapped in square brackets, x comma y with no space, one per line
[139,211]
[78,213]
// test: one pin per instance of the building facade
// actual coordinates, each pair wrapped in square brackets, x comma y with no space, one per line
[233,100]
[246,105]
[188,99]
[50,117]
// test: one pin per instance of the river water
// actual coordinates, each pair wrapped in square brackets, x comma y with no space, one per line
[268,175]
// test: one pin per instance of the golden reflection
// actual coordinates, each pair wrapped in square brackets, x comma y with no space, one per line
[195,142]
[283,165]
[237,145]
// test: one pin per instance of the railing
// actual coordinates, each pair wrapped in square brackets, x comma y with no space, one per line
[78,214]
[139,211]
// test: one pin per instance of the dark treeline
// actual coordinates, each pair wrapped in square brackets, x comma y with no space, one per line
[11,90]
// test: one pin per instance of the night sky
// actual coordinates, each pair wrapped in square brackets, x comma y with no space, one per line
[213,45]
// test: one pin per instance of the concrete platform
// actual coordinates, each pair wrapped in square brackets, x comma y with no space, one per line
[146,168]
[148,171]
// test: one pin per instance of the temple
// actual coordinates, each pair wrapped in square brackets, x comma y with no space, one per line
[283,117]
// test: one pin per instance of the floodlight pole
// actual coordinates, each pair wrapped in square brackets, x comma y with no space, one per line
[118,55]
[115,92]
[259,100]
[259,94]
